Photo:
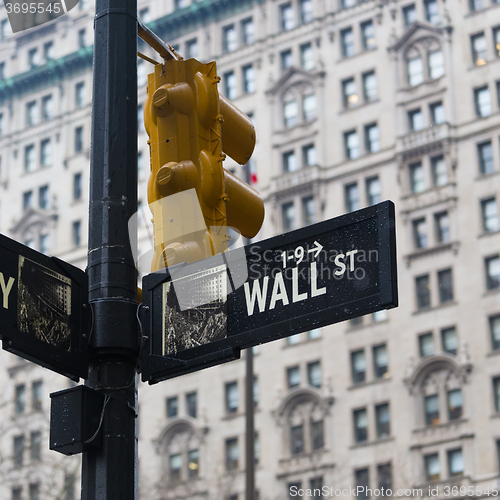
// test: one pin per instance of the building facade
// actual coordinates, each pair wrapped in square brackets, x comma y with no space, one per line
[353,103]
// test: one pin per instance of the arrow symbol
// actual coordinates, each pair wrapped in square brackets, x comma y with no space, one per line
[317,248]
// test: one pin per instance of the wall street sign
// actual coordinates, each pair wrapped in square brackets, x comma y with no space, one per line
[201,314]
[43,303]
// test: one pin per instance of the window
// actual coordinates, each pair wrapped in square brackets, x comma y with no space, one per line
[314,374]
[309,107]
[248,79]
[78,139]
[36,446]
[18,450]
[417,183]
[175,466]
[415,71]
[368,35]
[482,99]
[475,4]
[409,14]
[436,64]
[17,493]
[231,397]
[416,119]
[351,197]
[358,366]
[43,197]
[369,86]
[432,467]
[20,398]
[316,483]
[192,48]
[4,29]
[191,404]
[496,393]
[423,291]
[383,420]
[431,406]
[489,210]
[232,454]
[306,57]
[455,462]
[29,158]
[288,216]
[172,407]
[80,94]
[426,344]
[314,334]
[492,265]
[439,171]
[496,40]
[449,340]
[351,144]
[27,199]
[420,233]
[77,233]
[479,49]
[308,210]
[287,21]
[36,391]
[485,155]
[286,59]
[230,85]
[347,42]
[2,70]
[293,339]
[34,491]
[290,113]
[380,361]
[193,459]
[47,107]
[81,38]
[306,11]
[1,124]
[431,11]
[255,391]
[309,155]
[317,435]
[349,94]
[144,14]
[494,322]
[362,477]
[372,138]
[437,113]
[33,60]
[44,243]
[46,153]
[360,425]
[77,186]
[297,439]
[454,404]
[229,39]
[384,473]
[293,376]
[247,31]
[31,114]
[445,283]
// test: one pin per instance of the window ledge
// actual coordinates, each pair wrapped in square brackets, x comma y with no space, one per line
[232,416]
[486,234]
[491,292]
[425,252]
[370,443]
[495,415]
[493,352]
[370,383]
[488,175]
[435,308]
[301,124]
[443,425]
[360,106]
[362,326]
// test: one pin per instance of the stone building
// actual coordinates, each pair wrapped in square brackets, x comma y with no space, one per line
[353,103]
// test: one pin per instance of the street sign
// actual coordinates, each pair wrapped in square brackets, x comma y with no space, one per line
[201,314]
[43,309]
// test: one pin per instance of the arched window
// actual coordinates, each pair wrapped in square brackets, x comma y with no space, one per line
[424,61]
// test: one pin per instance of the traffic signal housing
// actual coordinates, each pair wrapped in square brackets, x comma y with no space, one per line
[192,197]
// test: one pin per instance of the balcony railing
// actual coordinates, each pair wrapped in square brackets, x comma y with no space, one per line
[423,138]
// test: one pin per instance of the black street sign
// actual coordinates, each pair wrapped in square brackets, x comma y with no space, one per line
[201,314]
[43,309]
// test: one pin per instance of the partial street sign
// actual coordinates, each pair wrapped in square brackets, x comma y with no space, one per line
[201,314]
[43,314]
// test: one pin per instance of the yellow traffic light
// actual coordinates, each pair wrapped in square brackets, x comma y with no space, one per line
[192,197]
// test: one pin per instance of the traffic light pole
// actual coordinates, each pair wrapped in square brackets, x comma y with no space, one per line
[109,470]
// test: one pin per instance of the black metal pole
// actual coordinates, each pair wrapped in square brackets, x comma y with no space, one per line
[250,428]
[109,471]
